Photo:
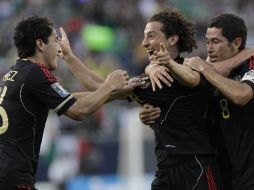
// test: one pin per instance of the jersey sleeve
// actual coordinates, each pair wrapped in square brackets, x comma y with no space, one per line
[42,84]
[248,78]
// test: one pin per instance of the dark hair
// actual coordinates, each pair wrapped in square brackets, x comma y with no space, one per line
[175,23]
[232,27]
[28,31]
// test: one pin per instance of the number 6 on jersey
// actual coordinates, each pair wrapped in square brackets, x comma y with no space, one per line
[3,114]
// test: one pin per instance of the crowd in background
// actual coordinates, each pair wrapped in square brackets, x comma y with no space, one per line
[84,147]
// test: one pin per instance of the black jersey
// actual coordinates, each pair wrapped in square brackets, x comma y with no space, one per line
[27,93]
[236,123]
[181,129]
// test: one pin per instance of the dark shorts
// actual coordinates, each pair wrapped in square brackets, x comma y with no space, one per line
[193,173]
[224,165]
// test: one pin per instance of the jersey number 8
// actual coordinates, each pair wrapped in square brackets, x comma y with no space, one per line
[3,114]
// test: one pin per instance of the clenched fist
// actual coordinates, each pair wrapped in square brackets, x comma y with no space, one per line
[117,79]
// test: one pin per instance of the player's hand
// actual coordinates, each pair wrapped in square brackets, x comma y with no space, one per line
[163,57]
[118,79]
[195,63]
[158,74]
[148,114]
[64,44]
[132,84]
[127,90]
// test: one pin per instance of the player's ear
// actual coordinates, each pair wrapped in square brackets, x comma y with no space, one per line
[237,43]
[40,44]
[172,40]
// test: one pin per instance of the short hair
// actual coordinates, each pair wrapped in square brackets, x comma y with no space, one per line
[174,22]
[27,31]
[232,27]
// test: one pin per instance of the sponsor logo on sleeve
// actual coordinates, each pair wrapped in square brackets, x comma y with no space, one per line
[59,89]
[249,76]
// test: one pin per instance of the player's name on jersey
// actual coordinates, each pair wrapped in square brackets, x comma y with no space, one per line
[10,76]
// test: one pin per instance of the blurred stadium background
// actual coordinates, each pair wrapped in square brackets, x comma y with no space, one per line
[111,150]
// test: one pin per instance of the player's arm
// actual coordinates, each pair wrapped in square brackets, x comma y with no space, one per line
[226,66]
[88,102]
[183,74]
[237,92]
[126,93]
[82,73]
[88,78]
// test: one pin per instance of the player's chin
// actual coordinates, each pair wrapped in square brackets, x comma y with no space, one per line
[53,66]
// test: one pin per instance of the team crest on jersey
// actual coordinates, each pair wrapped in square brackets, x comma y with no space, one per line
[249,76]
[60,90]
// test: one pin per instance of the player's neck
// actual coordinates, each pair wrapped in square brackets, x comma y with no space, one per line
[35,59]
[173,52]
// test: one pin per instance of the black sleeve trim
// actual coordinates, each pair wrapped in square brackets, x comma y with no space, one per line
[251,84]
[66,106]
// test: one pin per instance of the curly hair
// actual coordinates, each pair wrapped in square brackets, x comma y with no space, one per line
[28,31]
[175,23]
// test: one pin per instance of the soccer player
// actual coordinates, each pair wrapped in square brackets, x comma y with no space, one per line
[28,91]
[185,158]
[233,102]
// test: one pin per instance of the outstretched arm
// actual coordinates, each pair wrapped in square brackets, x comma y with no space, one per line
[226,66]
[88,78]
[88,102]
[182,73]
[82,73]
[237,92]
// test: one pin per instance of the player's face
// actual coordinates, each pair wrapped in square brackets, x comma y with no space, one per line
[52,51]
[153,36]
[218,47]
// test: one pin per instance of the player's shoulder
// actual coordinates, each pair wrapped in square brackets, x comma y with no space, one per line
[47,73]
[38,70]
[26,65]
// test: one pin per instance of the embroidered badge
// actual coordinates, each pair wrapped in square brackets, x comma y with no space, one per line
[60,90]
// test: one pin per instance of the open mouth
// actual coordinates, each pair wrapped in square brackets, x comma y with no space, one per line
[212,59]
[150,53]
